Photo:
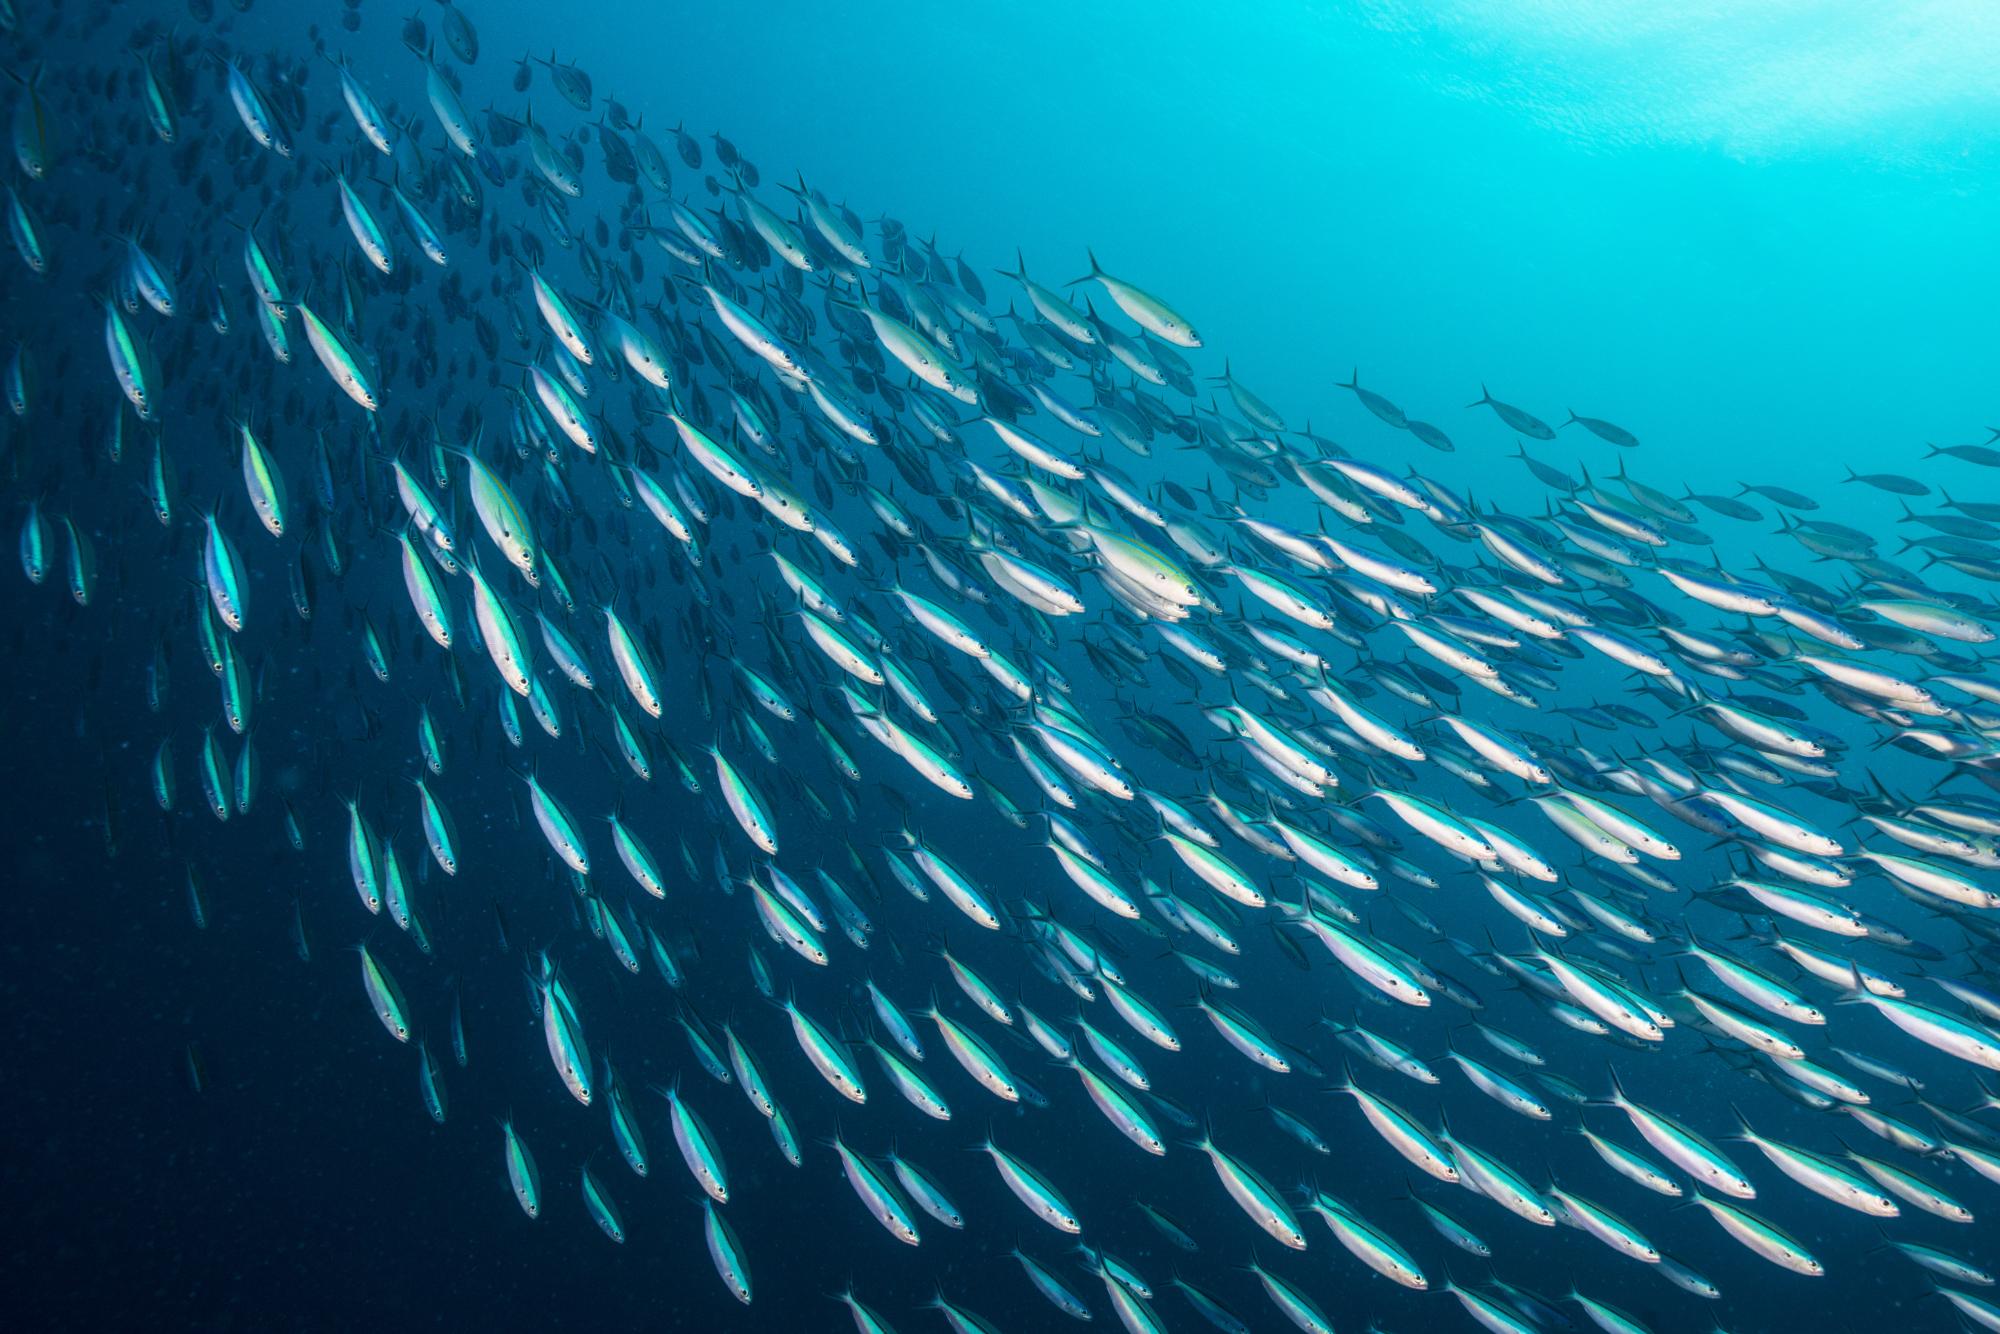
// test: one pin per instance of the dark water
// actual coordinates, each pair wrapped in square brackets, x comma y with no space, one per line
[1763,287]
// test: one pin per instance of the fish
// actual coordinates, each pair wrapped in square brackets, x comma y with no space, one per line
[925,604]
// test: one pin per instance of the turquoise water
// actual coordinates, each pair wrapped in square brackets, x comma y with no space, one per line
[1760,238]
[1743,230]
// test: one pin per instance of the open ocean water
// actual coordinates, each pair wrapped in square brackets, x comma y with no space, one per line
[586,568]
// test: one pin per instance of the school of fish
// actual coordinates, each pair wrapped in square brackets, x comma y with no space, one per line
[706,548]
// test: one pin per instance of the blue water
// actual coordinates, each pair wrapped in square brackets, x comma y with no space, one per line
[1760,240]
